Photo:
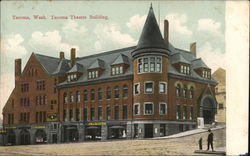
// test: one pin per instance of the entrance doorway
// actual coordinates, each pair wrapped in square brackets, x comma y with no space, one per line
[24,137]
[40,137]
[117,132]
[93,133]
[148,130]
[208,110]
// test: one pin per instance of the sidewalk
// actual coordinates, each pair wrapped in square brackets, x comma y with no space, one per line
[191,132]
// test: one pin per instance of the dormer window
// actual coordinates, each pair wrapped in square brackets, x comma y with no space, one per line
[149,64]
[206,74]
[93,74]
[72,77]
[117,70]
[185,69]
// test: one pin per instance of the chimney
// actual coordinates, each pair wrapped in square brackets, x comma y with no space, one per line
[61,55]
[193,49]
[73,56]
[18,68]
[166,31]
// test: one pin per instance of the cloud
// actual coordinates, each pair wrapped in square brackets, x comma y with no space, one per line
[7,85]
[72,30]
[213,57]
[109,36]
[136,23]
[209,25]
[49,42]
[12,45]
[177,23]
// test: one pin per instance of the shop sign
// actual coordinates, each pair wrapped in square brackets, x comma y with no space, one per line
[10,127]
[2,131]
[39,127]
[96,123]
[52,117]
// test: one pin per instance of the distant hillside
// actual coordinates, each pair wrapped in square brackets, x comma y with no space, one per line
[220,76]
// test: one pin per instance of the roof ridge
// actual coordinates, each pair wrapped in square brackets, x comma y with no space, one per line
[104,53]
[183,50]
[47,56]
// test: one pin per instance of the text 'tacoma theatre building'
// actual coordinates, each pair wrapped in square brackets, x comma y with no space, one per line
[149,90]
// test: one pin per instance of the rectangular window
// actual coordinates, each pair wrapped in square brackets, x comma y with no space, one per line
[77,114]
[92,94]
[178,112]
[92,114]
[85,95]
[100,94]
[116,112]
[220,105]
[108,112]
[71,116]
[191,113]
[121,69]
[137,88]
[148,108]
[163,108]
[162,87]
[184,112]
[99,113]
[116,92]
[148,87]
[85,114]
[124,111]
[136,109]
[182,69]
[113,70]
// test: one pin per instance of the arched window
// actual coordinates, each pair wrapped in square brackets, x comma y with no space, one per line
[85,95]
[116,92]
[92,92]
[108,93]
[185,91]
[65,98]
[191,95]
[178,90]
[125,91]
[78,96]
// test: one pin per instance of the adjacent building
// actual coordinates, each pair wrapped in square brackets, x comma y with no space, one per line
[220,93]
[149,90]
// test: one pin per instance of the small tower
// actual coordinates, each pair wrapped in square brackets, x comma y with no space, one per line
[150,63]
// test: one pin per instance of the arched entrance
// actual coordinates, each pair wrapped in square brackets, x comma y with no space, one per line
[11,137]
[40,137]
[24,137]
[208,109]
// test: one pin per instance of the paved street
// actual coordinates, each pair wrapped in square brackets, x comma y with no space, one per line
[184,145]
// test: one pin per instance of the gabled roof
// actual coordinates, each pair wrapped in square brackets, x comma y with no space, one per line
[177,58]
[98,63]
[62,67]
[198,63]
[49,63]
[121,59]
[151,36]
[76,68]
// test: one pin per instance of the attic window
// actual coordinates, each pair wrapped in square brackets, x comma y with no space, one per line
[117,70]
[206,74]
[185,69]
[72,77]
[93,74]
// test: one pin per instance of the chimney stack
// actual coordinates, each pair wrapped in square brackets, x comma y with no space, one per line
[61,55]
[18,68]
[166,31]
[193,49]
[73,56]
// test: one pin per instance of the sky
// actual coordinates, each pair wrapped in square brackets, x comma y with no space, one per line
[119,25]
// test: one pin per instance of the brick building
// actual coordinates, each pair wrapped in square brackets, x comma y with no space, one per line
[149,90]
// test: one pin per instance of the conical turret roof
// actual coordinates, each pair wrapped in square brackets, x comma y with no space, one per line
[151,36]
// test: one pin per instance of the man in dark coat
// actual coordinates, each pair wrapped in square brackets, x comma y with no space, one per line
[210,139]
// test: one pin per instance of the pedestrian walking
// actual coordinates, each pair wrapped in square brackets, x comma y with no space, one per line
[210,139]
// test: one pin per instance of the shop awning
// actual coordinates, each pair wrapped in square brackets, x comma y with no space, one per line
[71,128]
[117,127]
